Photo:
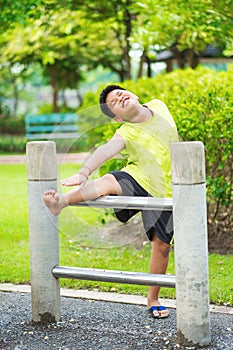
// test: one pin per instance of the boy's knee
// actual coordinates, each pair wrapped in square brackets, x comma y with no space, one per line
[163,247]
[108,185]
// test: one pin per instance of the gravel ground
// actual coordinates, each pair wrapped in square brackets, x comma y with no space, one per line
[97,325]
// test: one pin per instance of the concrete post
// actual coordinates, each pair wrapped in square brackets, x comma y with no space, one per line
[191,249]
[43,231]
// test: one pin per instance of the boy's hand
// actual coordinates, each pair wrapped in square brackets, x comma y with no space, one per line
[77,179]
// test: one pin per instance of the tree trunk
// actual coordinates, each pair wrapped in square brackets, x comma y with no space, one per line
[149,70]
[169,67]
[53,77]
[191,58]
[16,96]
[178,56]
[63,97]
[120,72]
[142,60]
[128,28]
[186,57]
[121,76]
[80,98]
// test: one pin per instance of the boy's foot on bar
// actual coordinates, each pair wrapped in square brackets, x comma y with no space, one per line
[53,201]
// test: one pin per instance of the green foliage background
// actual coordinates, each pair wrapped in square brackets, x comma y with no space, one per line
[201,103]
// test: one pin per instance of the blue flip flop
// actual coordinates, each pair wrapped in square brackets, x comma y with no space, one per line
[158,308]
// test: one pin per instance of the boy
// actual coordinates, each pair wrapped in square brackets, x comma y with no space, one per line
[146,134]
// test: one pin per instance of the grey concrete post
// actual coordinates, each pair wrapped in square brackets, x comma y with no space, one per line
[191,249]
[43,231]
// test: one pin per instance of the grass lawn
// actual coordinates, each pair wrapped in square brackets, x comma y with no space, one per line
[81,244]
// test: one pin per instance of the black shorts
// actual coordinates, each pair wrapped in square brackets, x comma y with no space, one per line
[159,223]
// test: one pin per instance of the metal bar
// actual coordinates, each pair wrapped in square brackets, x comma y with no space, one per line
[142,203]
[127,277]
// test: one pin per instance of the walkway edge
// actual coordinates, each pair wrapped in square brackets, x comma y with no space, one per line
[107,297]
[75,158]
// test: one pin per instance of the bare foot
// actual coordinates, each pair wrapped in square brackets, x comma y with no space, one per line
[53,201]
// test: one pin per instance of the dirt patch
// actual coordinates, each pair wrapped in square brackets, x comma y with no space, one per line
[132,233]
[220,238]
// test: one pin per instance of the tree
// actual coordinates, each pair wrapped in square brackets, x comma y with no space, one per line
[14,12]
[185,27]
[61,42]
[67,41]
[119,18]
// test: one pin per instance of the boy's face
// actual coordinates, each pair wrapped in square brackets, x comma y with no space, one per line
[122,103]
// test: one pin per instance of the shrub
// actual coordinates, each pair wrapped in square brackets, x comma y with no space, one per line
[12,126]
[201,103]
[12,144]
[71,145]
[4,110]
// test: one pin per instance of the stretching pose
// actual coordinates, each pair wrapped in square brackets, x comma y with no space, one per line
[146,132]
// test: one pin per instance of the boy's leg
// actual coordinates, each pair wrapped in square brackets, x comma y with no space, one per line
[93,189]
[158,265]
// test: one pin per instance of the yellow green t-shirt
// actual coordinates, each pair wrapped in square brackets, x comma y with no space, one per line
[148,148]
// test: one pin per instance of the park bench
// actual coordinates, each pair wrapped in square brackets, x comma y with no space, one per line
[51,126]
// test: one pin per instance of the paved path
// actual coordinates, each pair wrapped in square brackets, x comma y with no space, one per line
[89,324]
[108,296]
[61,158]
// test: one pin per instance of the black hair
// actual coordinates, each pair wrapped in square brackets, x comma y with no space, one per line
[103,96]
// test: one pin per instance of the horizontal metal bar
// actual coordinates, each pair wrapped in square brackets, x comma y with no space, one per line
[127,277]
[122,202]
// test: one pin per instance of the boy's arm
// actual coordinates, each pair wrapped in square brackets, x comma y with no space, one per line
[98,157]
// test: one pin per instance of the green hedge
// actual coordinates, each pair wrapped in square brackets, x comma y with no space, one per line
[201,103]
[12,144]
[12,126]
[17,144]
